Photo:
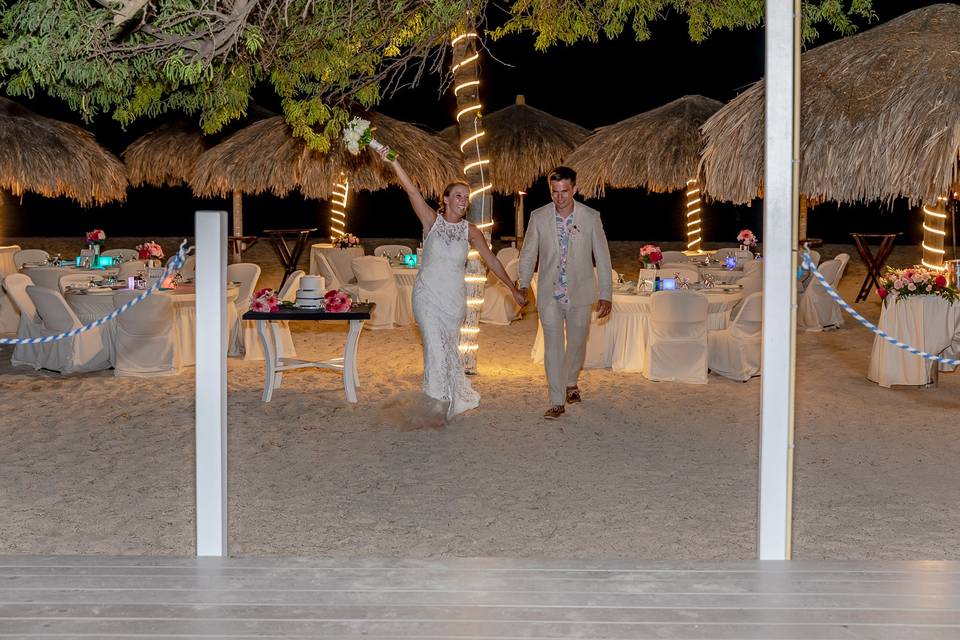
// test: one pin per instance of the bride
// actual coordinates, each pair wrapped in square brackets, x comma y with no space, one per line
[440,296]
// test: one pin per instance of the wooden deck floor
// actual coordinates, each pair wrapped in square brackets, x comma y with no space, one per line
[108,597]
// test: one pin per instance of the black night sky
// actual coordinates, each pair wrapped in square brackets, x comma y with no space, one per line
[592,84]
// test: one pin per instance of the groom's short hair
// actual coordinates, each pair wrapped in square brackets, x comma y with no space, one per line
[563,173]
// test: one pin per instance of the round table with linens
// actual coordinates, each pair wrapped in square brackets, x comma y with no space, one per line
[340,261]
[620,340]
[48,276]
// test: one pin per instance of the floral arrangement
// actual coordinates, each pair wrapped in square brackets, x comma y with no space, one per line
[336,301]
[358,134]
[346,241]
[916,281]
[96,237]
[746,238]
[149,251]
[264,301]
[650,254]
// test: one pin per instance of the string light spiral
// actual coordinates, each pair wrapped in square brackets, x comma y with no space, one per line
[338,207]
[693,216]
[934,234]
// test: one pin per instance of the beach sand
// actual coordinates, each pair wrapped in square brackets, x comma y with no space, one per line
[95,464]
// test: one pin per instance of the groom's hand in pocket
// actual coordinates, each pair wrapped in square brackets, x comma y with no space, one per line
[603,308]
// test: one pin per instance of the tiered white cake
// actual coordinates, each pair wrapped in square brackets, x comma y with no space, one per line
[310,293]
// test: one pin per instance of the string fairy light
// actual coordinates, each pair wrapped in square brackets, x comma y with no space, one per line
[338,207]
[934,234]
[693,216]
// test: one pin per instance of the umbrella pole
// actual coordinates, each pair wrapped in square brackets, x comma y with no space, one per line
[237,225]
[518,217]
[802,224]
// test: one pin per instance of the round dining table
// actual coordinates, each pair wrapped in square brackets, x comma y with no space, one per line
[340,261]
[48,275]
[619,341]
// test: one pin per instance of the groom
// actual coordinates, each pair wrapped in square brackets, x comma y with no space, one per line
[567,237]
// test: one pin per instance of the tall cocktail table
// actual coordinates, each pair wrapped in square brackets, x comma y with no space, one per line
[288,257]
[873,262]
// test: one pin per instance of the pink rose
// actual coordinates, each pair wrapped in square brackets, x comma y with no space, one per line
[940,281]
[330,294]
[259,306]
[881,292]
[339,303]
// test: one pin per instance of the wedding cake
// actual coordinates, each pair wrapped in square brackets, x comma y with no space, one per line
[310,293]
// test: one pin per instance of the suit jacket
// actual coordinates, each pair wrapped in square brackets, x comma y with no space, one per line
[588,245]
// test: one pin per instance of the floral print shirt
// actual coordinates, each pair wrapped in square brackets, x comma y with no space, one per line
[564,231]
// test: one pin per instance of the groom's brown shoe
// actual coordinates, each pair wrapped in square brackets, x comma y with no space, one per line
[573,395]
[553,412]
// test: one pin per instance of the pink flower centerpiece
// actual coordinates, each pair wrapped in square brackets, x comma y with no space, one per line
[149,251]
[336,301]
[916,281]
[264,301]
[346,241]
[747,240]
[95,238]
[650,254]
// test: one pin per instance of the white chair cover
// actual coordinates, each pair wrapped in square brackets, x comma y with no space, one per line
[508,255]
[674,257]
[499,307]
[131,268]
[843,259]
[121,255]
[325,270]
[375,282]
[929,323]
[88,351]
[754,266]
[615,276]
[28,323]
[76,279]
[391,250]
[815,256]
[48,277]
[30,255]
[244,339]
[743,257]
[816,310]
[283,338]
[677,347]
[9,318]
[734,352]
[691,273]
[189,268]
[146,337]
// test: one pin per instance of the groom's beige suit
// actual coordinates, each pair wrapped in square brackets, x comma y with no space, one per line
[585,285]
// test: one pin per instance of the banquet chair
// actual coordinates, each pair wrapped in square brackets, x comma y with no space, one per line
[725,252]
[816,310]
[391,250]
[674,256]
[76,279]
[508,255]
[84,352]
[754,266]
[734,352]
[843,259]
[30,255]
[615,276]
[329,275]
[28,325]
[48,277]
[244,339]
[8,313]
[146,339]
[677,345]
[375,282]
[815,256]
[283,341]
[499,307]
[131,268]
[121,255]
[686,270]
[743,257]
[188,270]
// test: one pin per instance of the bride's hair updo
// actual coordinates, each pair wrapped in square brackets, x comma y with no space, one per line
[446,192]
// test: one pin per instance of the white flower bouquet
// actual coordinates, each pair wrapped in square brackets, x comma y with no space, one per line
[358,134]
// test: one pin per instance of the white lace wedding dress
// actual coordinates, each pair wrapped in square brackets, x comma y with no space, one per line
[439,304]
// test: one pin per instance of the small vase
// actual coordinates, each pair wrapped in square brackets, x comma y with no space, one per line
[744,247]
[96,248]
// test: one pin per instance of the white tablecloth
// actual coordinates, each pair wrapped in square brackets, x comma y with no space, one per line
[619,340]
[405,277]
[929,323]
[339,260]
[49,276]
[90,306]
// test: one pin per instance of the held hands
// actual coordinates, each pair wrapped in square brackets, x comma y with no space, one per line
[520,296]
[603,308]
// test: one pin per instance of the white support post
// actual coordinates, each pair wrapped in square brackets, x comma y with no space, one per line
[211,383]
[780,199]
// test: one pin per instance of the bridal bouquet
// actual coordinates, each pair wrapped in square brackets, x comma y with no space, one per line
[336,301]
[650,254]
[358,134]
[264,301]
[746,238]
[346,241]
[96,237]
[916,281]
[149,251]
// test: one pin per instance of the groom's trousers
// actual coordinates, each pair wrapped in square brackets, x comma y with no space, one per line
[563,359]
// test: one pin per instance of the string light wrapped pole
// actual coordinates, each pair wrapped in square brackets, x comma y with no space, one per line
[693,216]
[476,170]
[338,207]
[934,234]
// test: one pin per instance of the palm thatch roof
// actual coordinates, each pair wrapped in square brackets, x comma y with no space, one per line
[658,150]
[54,158]
[266,157]
[165,156]
[523,143]
[880,117]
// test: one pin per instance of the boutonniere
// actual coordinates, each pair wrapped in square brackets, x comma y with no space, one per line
[575,229]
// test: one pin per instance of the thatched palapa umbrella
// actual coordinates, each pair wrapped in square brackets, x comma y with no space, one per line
[658,150]
[54,158]
[880,118]
[524,144]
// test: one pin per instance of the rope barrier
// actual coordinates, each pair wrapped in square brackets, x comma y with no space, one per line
[809,266]
[175,263]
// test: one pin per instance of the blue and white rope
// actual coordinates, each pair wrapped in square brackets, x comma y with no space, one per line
[809,266]
[175,263]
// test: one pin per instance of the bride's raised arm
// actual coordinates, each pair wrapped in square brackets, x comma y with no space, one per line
[493,262]
[423,210]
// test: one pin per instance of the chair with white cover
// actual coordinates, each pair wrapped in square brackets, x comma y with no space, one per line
[375,282]
[499,307]
[48,277]
[816,310]
[686,270]
[843,259]
[754,266]
[146,338]
[131,268]
[121,255]
[725,252]
[28,325]
[391,250]
[508,255]
[87,351]
[326,270]
[24,256]
[244,339]
[188,269]
[615,276]
[815,256]
[76,280]
[674,256]
[283,341]
[734,352]
[9,318]
[743,256]
[677,345]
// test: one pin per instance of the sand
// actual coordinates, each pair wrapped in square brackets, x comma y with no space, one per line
[95,464]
